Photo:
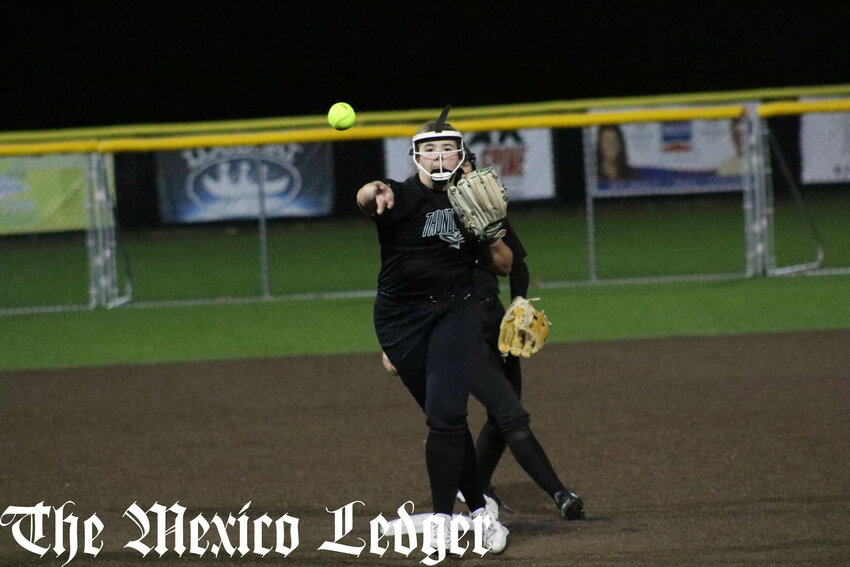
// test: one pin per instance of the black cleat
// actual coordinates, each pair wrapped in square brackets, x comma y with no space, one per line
[570,505]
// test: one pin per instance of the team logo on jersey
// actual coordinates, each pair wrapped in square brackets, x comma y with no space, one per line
[441,223]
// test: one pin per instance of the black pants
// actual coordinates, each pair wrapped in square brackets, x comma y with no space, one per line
[439,351]
[497,433]
[490,444]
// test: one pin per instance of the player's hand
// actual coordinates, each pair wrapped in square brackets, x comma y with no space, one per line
[384,197]
[388,365]
[375,198]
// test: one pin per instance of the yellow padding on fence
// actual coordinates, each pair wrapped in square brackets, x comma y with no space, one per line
[72,147]
[370,132]
[421,115]
[787,108]
[577,120]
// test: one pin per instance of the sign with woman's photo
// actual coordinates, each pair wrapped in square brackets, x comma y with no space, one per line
[665,157]
[522,157]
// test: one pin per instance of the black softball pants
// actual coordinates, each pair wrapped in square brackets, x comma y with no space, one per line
[438,349]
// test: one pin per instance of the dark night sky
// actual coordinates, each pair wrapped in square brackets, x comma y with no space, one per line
[91,63]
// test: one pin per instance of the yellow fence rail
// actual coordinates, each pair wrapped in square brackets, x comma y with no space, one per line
[364,132]
[768,110]
[327,134]
[421,115]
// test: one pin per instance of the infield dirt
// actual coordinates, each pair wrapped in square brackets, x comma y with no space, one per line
[726,450]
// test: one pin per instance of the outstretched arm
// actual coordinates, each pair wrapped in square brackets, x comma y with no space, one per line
[375,198]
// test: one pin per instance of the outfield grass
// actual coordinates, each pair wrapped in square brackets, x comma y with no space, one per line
[282,328]
[633,238]
[701,235]
[44,270]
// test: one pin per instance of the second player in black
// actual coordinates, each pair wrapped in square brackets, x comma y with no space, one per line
[491,442]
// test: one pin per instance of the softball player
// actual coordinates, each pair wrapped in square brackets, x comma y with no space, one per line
[426,317]
[503,397]
[491,442]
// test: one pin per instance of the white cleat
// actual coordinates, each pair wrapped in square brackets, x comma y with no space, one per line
[439,539]
[441,532]
[489,503]
[496,537]
[491,506]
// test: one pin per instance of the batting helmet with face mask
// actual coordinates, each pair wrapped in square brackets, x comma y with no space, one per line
[438,130]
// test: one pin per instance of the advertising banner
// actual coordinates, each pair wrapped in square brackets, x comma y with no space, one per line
[665,157]
[210,184]
[522,157]
[825,147]
[42,194]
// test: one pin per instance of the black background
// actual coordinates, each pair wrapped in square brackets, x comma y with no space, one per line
[87,63]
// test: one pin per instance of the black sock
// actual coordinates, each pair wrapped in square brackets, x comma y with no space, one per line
[444,457]
[470,482]
[532,458]
[489,449]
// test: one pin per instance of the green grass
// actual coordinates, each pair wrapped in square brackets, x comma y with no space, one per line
[677,236]
[224,261]
[634,238]
[44,270]
[283,328]
[704,235]
[829,210]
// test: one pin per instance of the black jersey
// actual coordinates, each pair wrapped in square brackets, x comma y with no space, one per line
[488,283]
[422,250]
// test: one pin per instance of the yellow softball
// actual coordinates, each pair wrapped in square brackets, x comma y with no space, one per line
[341,116]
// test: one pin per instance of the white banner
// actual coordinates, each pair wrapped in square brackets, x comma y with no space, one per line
[666,157]
[523,159]
[825,147]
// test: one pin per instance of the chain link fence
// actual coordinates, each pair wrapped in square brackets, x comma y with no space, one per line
[806,190]
[601,197]
[673,193]
[57,237]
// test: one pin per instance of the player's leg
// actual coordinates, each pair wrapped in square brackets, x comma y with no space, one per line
[451,362]
[490,443]
[404,332]
[497,395]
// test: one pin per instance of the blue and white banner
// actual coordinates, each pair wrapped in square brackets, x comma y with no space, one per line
[210,184]
[665,157]
[522,157]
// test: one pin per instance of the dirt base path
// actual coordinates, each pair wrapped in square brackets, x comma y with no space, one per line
[729,450]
